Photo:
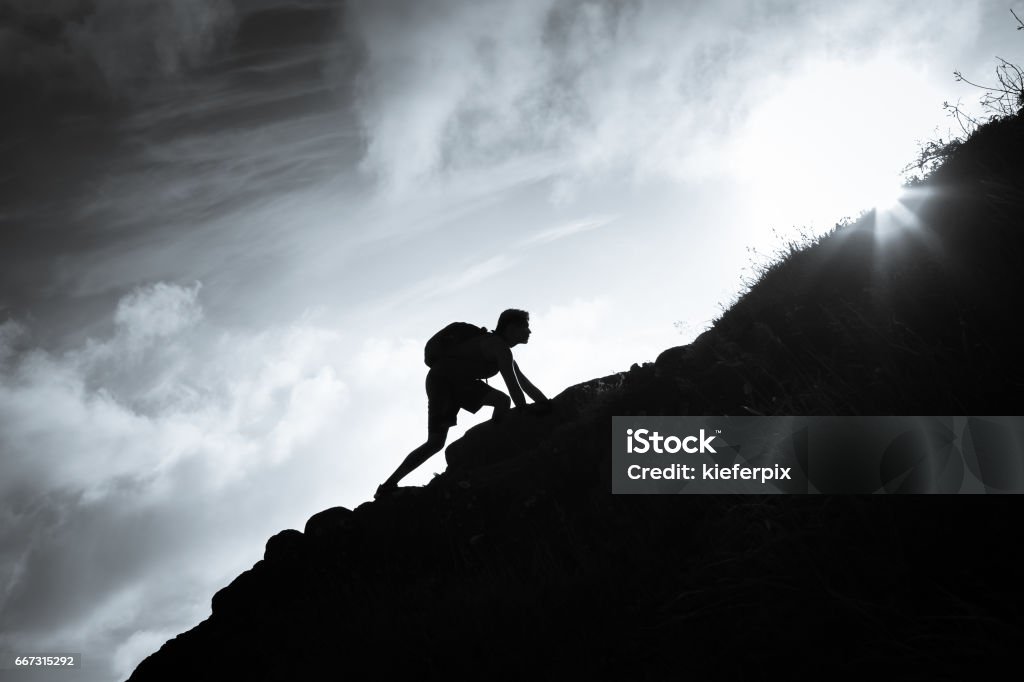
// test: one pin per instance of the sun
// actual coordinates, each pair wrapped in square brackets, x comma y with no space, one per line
[828,142]
[886,196]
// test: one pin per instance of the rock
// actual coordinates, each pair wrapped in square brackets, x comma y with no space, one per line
[240,596]
[329,522]
[285,545]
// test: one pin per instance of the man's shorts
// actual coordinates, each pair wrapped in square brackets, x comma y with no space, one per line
[447,394]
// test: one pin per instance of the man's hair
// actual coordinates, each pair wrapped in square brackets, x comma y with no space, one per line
[511,316]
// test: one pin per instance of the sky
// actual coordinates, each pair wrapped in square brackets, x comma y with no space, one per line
[227,228]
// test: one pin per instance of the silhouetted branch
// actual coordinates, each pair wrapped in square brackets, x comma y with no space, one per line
[960,115]
[1021,27]
[1002,100]
[959,77]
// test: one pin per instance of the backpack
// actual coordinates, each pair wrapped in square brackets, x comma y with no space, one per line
[443,344]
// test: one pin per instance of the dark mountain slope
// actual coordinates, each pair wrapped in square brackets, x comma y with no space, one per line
[518,562]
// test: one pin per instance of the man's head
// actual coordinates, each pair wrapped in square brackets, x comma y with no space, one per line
[514,326]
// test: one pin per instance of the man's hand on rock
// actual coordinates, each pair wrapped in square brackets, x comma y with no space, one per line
[540,407]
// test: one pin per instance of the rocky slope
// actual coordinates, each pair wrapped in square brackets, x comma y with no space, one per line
[518,562]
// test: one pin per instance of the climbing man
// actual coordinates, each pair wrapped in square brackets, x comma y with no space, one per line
[459,357]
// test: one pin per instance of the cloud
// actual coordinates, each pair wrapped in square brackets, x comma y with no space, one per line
[144,469]
[457,85]
[568,340]
[160,310]
[109,46]
[466,276]
[449,65]
[567,230]
[12,335]
[642,88]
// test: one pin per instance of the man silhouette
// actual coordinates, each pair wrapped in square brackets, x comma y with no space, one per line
[455,383]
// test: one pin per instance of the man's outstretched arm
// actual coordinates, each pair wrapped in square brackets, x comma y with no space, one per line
[530,389]
[508,373]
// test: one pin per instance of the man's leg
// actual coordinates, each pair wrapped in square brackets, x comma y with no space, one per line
[499,401]
[435,442]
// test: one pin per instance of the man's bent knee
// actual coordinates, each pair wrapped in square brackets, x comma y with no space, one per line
[435,441]
[499,401]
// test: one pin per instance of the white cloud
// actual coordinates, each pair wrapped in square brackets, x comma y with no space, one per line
[468,85]
[568,342]
[148,467]
[643,89]
[156,311]
[383,361]
[458,68]
[590,337]
[569,229]
[438,286]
